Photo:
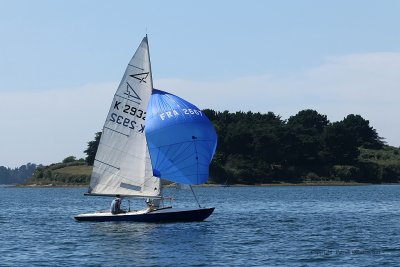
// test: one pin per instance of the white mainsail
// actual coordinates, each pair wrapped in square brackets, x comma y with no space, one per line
[122,164]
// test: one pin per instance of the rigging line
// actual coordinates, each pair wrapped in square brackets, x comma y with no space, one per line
[195,196]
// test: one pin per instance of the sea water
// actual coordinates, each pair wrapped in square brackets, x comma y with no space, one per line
[251,226]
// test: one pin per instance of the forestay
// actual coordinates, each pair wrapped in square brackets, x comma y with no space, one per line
[122,164]
[181,139]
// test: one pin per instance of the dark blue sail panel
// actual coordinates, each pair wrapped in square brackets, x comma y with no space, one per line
[181,139]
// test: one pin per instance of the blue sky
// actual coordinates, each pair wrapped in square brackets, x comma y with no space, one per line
[62,60]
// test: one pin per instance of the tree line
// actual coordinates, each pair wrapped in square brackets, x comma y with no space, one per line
[263,148]
[17,175]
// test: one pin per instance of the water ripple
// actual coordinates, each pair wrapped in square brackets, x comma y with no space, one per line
[251,226]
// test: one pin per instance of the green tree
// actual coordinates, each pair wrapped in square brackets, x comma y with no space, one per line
[303,139]
[339,144]
[365,135]
[268,130]
[308,120]
[69,159]
[92,149]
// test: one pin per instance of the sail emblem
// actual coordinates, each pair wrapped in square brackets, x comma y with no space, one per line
[130,92]
[140,76]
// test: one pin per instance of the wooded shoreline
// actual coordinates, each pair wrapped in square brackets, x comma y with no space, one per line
[325,183]
[262,149]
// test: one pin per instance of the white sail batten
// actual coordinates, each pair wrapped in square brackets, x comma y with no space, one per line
[122,164]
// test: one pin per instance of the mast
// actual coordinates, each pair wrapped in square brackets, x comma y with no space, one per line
[151,82]
[148,52]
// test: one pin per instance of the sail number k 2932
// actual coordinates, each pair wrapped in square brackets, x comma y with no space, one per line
[138,113]
[134,111]
[132,114]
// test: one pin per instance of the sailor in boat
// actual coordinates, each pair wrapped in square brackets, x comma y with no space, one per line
[116,205]
[152,204]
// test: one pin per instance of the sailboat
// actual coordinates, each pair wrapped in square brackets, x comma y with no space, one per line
[150,135]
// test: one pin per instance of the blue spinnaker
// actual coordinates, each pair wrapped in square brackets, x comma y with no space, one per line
[181,139]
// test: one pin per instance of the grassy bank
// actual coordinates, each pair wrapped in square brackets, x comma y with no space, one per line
[75,173]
